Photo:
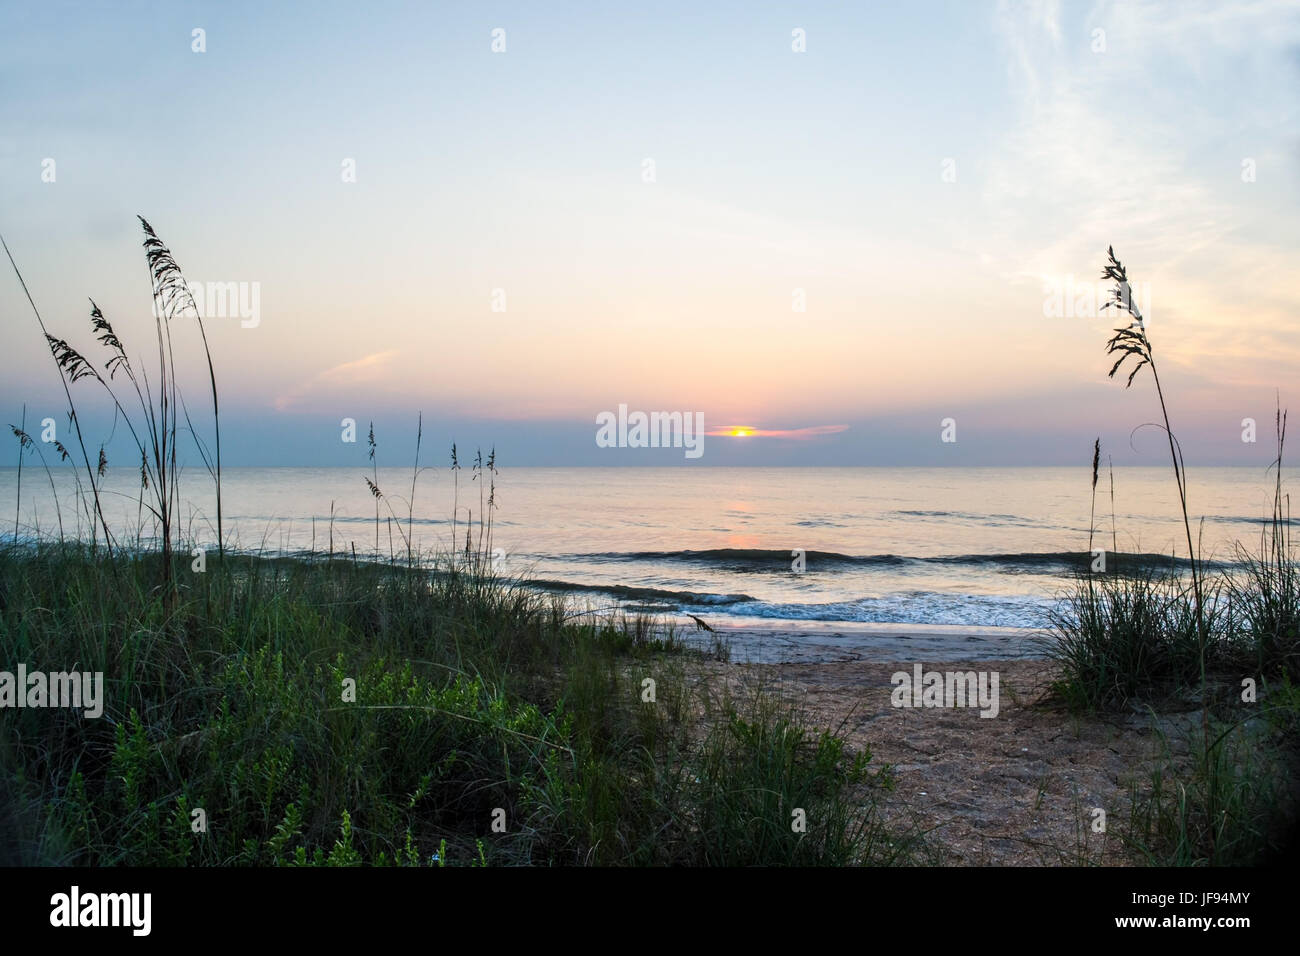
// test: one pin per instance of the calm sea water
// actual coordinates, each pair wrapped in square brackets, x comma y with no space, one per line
[941,546]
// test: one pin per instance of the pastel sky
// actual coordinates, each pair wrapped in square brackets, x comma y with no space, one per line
[924,179]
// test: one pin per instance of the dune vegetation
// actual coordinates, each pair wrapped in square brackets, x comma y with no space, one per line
[418,709]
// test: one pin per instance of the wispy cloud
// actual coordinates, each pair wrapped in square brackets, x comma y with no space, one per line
[369,370]
[1135,123]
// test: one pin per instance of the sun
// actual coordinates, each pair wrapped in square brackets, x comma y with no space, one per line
[740,433]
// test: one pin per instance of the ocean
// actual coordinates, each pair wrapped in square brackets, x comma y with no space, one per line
[957,547]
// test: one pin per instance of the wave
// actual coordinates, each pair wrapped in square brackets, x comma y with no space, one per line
[338,519]
[991,520]
[911,607]
[628,591]
[1257,521]
[974,610]
[773,559]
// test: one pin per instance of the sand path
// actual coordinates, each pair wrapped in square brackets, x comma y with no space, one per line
[1019,788]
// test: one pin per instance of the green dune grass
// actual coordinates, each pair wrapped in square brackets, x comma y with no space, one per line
[488,725]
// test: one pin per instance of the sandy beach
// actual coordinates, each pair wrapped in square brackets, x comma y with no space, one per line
[1016,789]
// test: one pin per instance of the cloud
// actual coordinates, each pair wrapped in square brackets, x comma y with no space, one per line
[369,370]
[1142,144]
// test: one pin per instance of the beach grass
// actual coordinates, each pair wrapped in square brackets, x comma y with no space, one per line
[1230,636]
[1130,643]
[489,725]
[1231,803]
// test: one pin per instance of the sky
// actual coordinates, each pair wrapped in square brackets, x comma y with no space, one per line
[833,227]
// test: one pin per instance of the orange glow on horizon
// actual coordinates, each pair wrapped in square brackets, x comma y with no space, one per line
[749,431]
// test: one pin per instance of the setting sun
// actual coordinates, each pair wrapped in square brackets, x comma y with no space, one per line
[740,433]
